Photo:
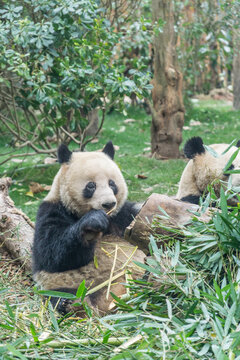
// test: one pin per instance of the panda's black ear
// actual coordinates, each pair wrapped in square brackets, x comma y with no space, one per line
[63,154]
[238,143]
[193,147]
[109,150]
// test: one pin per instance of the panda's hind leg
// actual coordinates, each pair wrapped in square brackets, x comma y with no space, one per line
[65,306]
[61,304]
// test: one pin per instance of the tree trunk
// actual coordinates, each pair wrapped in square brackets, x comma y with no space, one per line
[236,70]
[168,108]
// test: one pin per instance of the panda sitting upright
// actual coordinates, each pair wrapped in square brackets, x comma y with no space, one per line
[205,167]
[87,200]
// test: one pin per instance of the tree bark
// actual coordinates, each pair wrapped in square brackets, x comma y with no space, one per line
[236,69]
[16,229]
[168,108]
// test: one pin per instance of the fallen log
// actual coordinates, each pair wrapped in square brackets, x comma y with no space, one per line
[16,229]
[171,213]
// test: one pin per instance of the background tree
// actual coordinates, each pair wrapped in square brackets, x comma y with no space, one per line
[236,70]
[168,109]
[235,16]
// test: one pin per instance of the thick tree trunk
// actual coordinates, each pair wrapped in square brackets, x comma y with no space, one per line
[168,108]
[236,70]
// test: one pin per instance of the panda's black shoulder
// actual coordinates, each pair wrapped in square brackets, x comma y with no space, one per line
[193,199]
[54,210]
[193,147]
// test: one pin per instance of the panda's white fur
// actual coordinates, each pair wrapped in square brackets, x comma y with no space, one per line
[84,167]
[204,169]
[79,229]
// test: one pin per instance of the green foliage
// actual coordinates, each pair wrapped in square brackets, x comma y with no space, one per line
[56,59]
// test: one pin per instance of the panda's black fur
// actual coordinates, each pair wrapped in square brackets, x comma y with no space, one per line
[193,199]
[60,242]
[193,147]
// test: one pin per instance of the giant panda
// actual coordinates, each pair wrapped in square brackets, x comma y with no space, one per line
[204,168]
[79,229]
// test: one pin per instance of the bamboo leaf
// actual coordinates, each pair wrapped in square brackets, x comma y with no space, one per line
[204,350]
[9,310]
[229,147]
[211,151]
[230,161]
[155,249]
[229,318]
[81,291]
[15,352]
[176,254]
[54,293]
[53,317]
[169,308]
[218,291]
[223,203]
[218,328]
[34,333]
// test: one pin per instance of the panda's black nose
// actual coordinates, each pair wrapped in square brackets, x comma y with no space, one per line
[109,206]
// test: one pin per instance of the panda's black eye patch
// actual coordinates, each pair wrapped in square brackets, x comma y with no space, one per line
[113,186]
[231,167]
[89,189]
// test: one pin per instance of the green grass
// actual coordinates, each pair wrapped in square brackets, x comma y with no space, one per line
[219,123]
[190,317]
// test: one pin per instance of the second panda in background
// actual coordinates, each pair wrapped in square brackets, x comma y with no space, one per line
[204,169]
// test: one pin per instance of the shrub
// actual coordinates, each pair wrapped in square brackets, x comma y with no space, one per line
[57,69]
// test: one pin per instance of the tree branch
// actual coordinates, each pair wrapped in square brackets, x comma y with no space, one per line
[83,144]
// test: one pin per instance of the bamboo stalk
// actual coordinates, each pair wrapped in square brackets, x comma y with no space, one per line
[128,343]
[100,286]
[111,273]
[86,341]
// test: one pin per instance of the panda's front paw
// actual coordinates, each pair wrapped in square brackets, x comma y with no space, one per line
[95,221]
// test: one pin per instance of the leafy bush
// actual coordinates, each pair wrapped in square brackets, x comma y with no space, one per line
[56,69]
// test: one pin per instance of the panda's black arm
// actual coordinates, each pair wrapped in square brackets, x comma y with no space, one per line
[124,217]
[59,242]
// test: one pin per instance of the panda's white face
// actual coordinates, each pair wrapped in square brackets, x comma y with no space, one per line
[204,168]
[90,180]
[207,168]
[223,160]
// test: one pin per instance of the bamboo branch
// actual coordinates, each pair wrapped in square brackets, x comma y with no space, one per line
[112,271]
[86,341]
